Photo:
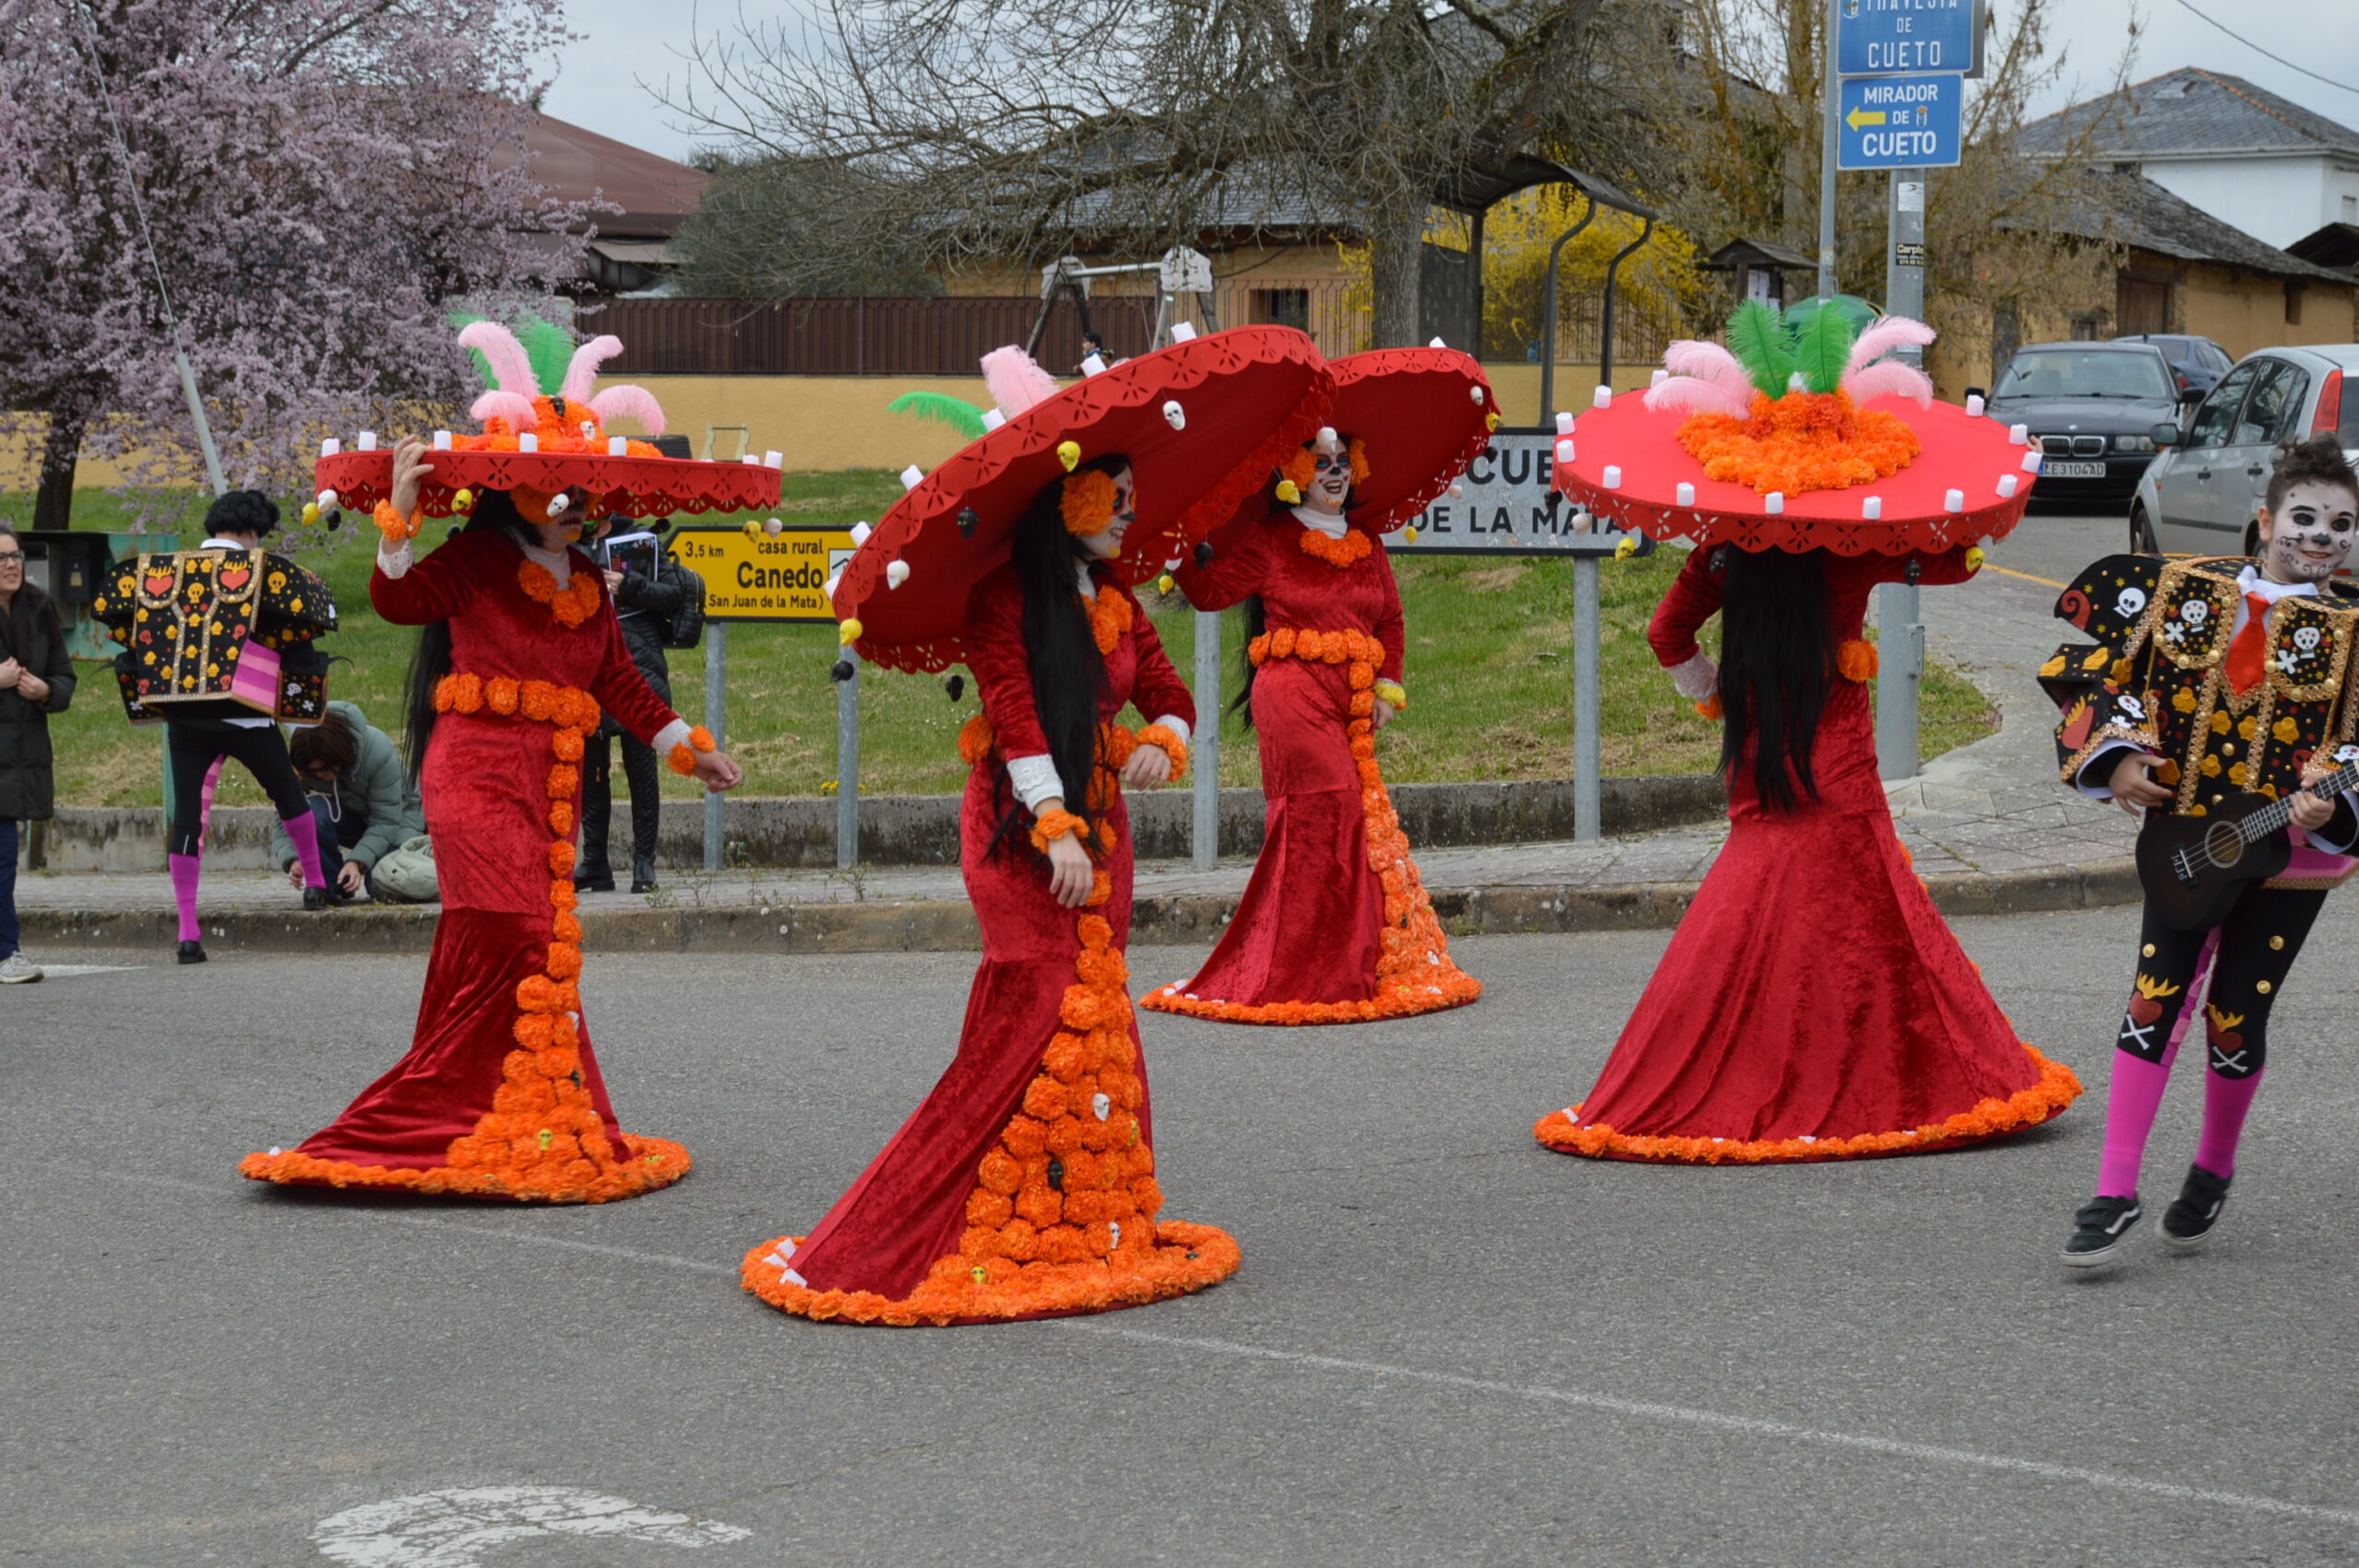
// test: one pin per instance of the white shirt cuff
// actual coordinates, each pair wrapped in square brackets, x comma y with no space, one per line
[1696,679]
[676,733]
[393,560]
[1177,725]
[2099,791]
[1035,779]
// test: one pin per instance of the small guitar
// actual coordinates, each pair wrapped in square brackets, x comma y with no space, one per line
[2194,867]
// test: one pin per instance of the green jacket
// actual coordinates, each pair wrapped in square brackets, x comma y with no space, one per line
[377,784]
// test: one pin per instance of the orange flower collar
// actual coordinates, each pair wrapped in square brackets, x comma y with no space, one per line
[572,605]
[1350,550]
[1110,616]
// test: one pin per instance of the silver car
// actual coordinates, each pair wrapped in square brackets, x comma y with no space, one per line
[2202,496]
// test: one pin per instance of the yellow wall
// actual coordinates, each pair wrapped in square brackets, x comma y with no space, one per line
[2242,311]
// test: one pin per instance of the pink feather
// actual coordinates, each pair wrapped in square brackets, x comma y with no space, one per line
[628,402]
[1889,379]
[1709,362]
[511,368]
[581,371]
[514,407]
[1016,381]
[1697,395]
[1892,332]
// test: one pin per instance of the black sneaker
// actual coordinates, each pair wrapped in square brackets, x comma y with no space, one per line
[192,953]
[2188,1224]
[316,898]
[2098,1231]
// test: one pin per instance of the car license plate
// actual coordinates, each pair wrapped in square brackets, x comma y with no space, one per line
[2058,468]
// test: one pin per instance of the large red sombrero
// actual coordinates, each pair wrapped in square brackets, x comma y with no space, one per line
[1201,421]
[1966,457]
[1425,416]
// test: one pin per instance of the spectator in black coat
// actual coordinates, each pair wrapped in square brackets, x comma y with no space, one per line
[36,679]
[646,606]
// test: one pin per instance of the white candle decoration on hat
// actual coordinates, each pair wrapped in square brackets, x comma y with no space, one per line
[528,442]
[1613,477]
[1182,332]
[1658,378]
[1563,423]
[994,418]
[912,476]
[1091,365]
[330,446]
[773,460]
[860,532]
[2017,435]
[618,446]
[1602,397]
[441,440]
[1774,502]
[368,443]
[1974,405]
[1955,500]
[752,462]
[1436,343]
[2007,486]
[1565,451]
[1872,508]
[2031,463]
[828,588]
[1686,493]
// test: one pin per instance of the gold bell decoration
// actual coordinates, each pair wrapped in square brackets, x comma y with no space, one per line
[1068,453]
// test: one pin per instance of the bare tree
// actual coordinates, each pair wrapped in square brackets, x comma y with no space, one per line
[985,132]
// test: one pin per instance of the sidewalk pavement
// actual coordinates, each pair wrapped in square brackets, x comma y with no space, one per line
[1991,830]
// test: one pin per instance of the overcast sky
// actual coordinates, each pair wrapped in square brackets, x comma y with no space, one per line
[631,46]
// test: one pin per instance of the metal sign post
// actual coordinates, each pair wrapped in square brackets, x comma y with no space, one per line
[778,577]
[1508,504]
[1899,617]
[1205,839]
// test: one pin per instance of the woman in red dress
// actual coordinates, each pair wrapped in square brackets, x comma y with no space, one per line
[1336,926]
[500,1094]
[1812,1004]
[1025,1185]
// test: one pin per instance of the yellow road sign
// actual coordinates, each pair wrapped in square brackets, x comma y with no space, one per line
[774,576]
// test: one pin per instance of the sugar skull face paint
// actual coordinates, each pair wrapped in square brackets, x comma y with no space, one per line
[2308,537]
[1106,544]
[1330,476]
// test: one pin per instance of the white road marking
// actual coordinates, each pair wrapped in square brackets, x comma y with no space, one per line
[1688,1415]
[454,1528]
[69,971]
[1751,1426]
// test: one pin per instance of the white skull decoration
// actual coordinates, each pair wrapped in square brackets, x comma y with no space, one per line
[2130,602]
[2131,708]
[2195,611]
[2307,639]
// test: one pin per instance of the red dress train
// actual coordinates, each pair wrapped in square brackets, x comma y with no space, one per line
[1023,1184]
[1812,1004]
[1334,927]
[500,1094]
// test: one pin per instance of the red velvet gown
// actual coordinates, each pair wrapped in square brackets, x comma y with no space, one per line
[1023,1185]
[1812,1003]
[489,799]
[1323,935]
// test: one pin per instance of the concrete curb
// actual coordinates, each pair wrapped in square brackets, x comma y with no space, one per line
[948,926]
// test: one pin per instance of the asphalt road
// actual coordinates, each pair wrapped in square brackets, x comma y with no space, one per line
[1448,1345]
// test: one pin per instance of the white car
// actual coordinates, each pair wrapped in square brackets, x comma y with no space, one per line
[2202,494]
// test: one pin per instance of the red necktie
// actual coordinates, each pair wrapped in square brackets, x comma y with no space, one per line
[2248,654]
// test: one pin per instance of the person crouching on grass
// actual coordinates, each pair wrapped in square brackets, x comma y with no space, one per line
[2227,678]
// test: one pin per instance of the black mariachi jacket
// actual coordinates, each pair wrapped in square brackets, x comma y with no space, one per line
[2157,679]
[183,620]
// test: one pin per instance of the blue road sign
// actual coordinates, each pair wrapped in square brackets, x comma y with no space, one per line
[1887,37]
[1900,122]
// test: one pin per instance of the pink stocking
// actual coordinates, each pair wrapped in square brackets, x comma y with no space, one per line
[2226,1101]
[186,869]
[303,832]
[2136,1093]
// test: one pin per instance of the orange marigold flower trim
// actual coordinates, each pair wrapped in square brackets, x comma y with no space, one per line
[1087,503]
[2056,1088]
[1856,660]
[1413,971]
[1711,708]
[397,529]
[1110,617]
[1054,824]
[1063,1216]
[1350,550]
[572,605]
[683,760]
[1173,746]
[1800,442]
[543,1140]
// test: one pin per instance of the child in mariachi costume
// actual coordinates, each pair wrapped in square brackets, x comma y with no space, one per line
[2218,689]
[219,645]
[1025,1185]
[500,1094]
[1812,1003]
[1336,926]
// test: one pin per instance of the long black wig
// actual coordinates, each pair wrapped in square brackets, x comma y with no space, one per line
[1068,673]
[1776,653]
[431,661]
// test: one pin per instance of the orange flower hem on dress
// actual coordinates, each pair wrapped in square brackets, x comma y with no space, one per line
[1414,972]
[1993,1117]
[1062,1218]
[543,1140]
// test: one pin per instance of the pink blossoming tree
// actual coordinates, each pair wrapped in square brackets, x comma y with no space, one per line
[326,181]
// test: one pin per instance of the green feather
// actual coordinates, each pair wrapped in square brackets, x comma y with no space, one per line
[941,408]
[550,349]
[1758,340]
[1823,349]
[463,320]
